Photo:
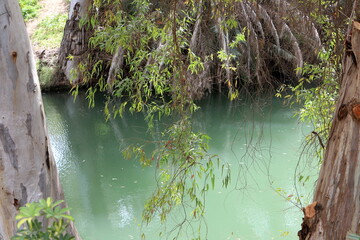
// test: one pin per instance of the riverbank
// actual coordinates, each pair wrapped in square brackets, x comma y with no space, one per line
[45,32]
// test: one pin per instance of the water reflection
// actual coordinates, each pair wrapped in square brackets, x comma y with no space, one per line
[107,192]
[123,213]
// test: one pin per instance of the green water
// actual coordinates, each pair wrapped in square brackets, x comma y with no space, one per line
[107,193]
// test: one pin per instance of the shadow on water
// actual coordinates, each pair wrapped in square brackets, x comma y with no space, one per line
[107,193]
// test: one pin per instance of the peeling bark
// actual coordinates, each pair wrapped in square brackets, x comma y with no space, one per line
[338,187]
[74,44]
[9,146]
[286,31]
[24,149]
[194,41]
[117,64]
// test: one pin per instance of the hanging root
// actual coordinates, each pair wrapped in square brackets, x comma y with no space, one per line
[117,64]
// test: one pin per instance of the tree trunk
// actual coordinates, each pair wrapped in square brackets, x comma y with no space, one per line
[74,43]
[335,211]
[27,167]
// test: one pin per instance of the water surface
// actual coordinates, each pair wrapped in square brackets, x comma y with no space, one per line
[107,192]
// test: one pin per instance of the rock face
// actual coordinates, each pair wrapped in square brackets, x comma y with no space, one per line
[27,168]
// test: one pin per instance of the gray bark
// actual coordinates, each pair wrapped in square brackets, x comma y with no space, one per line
[336,208]
[27,168]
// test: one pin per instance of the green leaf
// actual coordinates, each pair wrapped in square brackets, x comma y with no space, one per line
[22,221]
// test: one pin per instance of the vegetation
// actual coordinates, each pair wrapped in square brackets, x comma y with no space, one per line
[35,217]
[46,74]
[29,8]
[244,44]
[158,57]
[47,38]
[317,91]
[186,174]
[49,31]
[317,103]
[318,88]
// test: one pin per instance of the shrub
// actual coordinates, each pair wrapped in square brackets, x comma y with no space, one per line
[29,8]
[43,220]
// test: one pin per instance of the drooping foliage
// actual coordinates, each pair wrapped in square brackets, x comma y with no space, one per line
[185,174]
[318,88]
[234,43]
[158,56]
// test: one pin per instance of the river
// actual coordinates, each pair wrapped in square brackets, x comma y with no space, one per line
[107,193]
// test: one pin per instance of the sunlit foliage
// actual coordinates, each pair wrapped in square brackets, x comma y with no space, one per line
[29,8]
[43,220]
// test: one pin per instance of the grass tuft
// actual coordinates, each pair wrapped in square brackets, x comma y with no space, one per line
[29,9]
[49,31]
